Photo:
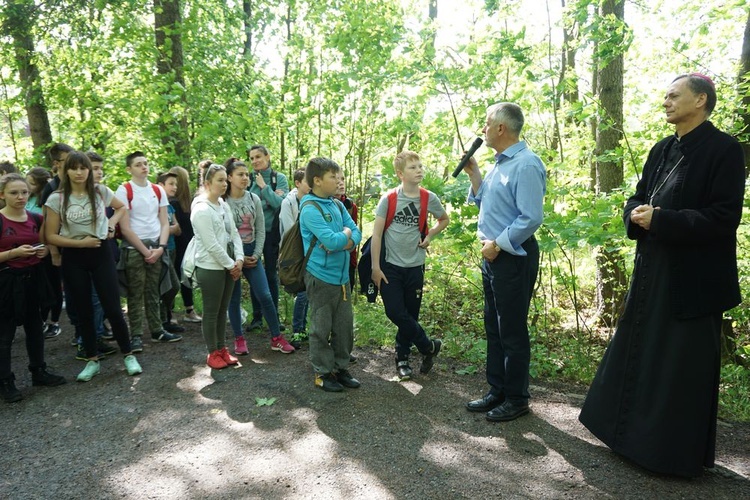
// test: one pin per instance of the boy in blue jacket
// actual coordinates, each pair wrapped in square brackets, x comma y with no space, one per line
[327,276]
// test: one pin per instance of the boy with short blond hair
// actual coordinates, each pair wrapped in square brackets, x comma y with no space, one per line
[400,274]
[327,275]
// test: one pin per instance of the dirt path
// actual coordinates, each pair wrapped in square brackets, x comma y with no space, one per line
[181,431]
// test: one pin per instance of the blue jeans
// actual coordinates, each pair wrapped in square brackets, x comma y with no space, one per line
[256,277]
[98,316]
[270,261]
[299,316]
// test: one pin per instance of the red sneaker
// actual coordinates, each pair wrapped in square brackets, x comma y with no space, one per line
[216,361]
[228,358]
[280,344]
[240,346]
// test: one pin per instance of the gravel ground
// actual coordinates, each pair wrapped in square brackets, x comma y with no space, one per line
[181,430]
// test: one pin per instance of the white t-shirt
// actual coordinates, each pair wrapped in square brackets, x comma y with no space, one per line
[144,209]
[78,214]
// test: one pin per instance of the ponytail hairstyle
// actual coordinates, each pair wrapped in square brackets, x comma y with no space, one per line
[76,158]
[202,167]
[231,164]
[11,177]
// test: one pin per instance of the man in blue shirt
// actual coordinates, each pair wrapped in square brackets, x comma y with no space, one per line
[510,200]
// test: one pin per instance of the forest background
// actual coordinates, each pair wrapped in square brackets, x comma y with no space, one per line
[360,80]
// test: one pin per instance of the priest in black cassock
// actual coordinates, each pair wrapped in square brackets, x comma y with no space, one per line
[655,395]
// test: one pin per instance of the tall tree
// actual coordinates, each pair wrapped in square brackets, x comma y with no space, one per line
[610,276]
[18,21]
[744,86]
[169,65]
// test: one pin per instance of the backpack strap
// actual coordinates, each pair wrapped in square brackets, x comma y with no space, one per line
[157,191]
[273,179]
[391,213]
[129,193]
[314,238]
[424,197]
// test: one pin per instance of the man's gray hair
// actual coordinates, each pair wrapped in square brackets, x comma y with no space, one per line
[507,113]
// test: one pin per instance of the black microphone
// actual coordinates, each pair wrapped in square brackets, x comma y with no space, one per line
[473,149]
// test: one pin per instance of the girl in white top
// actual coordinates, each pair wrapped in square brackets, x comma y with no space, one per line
[77,224]
[218,262]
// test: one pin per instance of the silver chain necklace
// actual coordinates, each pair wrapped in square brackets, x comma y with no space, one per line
[666,178]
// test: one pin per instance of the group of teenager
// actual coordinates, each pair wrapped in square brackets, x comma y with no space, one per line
[654,398]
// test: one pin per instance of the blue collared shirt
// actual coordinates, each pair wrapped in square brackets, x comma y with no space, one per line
[510,199]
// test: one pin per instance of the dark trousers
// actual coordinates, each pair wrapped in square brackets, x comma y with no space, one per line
[185,291]
[82,268]
[32,325]
[402,298]
[508,283]
[55,281]
[270,263]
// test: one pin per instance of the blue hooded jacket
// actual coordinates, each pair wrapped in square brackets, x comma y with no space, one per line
[329,262]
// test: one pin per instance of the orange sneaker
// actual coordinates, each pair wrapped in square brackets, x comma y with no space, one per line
[216,361]
[228,358]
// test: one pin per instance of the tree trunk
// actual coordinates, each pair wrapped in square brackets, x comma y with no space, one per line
[744,86]
[247,49]
[169,65]
[20,17]
[610,278]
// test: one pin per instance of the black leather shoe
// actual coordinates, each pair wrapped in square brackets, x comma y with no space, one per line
[345,378]
[506,412]
[486,403]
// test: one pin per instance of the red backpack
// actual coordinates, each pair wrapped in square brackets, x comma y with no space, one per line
[364,267]
[129,194]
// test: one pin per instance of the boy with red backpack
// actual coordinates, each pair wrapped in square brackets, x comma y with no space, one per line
[145,259]
[401,233]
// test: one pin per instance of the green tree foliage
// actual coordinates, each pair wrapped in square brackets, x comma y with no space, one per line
[359,81]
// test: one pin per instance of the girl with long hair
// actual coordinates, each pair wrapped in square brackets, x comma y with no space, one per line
[77,223]
[36,178]
[23,286]
[247,213]
[181,204]
[218,262]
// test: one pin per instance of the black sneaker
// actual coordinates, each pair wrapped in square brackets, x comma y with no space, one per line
[52,330]
[429,359]
[345,378]
[136,344]
[81,354]
[173,328]
[107,335]
[9,391]
[352,358]
[164,336]
[105,348]
[254,325]
[403,369]
[40,376]
[298,338]
[328,383]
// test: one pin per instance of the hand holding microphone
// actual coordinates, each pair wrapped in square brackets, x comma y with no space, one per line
[473,149]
